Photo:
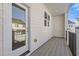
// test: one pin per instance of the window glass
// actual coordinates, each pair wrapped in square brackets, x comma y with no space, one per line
[18,26]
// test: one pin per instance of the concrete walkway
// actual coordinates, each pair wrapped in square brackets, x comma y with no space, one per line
[54,47]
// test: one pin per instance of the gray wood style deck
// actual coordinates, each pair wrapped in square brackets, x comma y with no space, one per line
[54,47]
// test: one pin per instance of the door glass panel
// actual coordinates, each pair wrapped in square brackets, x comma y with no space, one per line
[18,26]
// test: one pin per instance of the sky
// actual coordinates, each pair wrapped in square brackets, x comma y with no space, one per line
[73,12]
[18,13]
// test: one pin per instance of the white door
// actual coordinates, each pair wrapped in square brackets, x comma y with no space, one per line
[15,29]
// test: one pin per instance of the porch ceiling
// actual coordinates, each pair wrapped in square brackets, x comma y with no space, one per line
[57,8]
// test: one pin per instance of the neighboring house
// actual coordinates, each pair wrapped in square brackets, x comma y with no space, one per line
[71,26]
[18,24]
[77,22]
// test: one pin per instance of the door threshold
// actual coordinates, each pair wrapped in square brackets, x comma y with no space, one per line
[25,53]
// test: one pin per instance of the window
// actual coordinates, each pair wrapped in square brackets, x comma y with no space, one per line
[45,23]
[45,15]
[46,19]
[18,33]
[48,23]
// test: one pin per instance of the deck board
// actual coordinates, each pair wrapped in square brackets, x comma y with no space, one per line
[54,47]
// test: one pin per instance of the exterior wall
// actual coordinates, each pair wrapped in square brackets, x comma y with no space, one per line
[77,22]
[38,30]
[0,29]
[59,26]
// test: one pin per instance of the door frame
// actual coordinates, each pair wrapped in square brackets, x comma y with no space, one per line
[7,32]
[1,24]
[66,30]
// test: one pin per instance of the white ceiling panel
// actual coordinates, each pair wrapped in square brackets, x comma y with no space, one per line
[57,8]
